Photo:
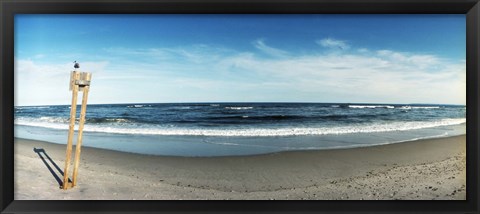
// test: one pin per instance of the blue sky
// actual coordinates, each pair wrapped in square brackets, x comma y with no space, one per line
[242,58]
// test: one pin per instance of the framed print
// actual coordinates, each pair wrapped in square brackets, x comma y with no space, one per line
[254,106]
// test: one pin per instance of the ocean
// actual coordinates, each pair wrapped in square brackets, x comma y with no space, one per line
[224,129]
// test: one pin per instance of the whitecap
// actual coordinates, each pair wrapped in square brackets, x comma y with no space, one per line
[238,108]
[371,106]
[261,132]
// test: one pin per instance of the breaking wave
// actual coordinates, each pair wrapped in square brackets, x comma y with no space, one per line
[287,131]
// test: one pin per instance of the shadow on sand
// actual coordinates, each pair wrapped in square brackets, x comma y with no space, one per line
[41,153]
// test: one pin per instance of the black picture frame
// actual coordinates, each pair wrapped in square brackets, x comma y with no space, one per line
[8,9]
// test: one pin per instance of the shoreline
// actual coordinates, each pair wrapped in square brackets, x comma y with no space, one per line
[248,155]
[213,146]
[422,169]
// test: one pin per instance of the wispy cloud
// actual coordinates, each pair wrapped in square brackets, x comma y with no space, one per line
[333,43]
[194,53]
[38,83]
[260,45]
[39,56]
[415,60]
[363,50]
[385,76]
[209,73]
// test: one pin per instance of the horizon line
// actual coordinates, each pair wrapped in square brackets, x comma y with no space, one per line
[210,102]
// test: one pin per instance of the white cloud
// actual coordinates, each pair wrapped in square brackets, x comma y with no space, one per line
[192,54]
[398,78]
[208,73]
[410,60]
[37,83]
[260,45]
[363,50]
[333,43]
[39,56]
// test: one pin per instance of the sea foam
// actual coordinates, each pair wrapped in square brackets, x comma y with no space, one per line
[371,106]
[248,132]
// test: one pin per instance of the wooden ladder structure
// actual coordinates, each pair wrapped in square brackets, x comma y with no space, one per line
[79,81]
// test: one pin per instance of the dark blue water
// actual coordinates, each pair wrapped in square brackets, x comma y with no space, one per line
[206,129]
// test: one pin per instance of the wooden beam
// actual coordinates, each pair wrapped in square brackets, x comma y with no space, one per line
[73,112]
[78,147]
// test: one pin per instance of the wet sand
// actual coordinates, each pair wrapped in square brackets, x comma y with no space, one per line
[423,170]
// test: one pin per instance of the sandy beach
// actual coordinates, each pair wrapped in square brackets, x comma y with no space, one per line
[423,169]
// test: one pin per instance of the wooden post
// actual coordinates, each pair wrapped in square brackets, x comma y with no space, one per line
[78,147]
[79,81]
[73,112]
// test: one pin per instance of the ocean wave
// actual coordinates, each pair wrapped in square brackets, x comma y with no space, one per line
[43,124]
[293,117]
[138,106]
[419,107]
[238,108]
[425,107]
[371,106]
[32,107]
[66,120]
[109,120]
[182,107]
[392,107]
[250,132]
[405,107]
[264,117]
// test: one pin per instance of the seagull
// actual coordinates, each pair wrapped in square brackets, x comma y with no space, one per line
[76,65]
